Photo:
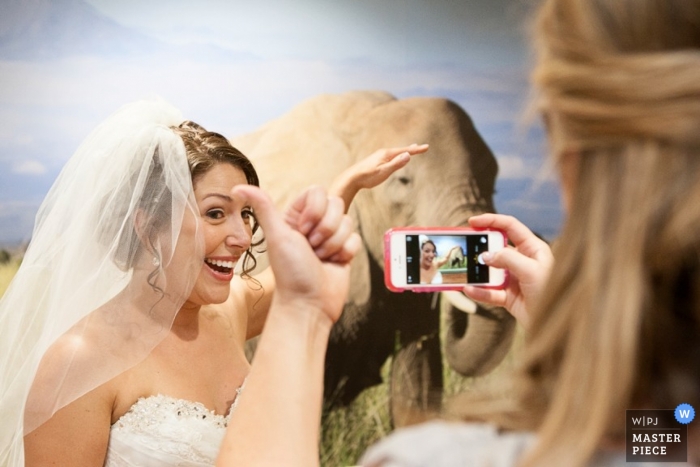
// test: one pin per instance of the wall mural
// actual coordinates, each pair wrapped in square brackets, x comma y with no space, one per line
[306,87]
[454,180]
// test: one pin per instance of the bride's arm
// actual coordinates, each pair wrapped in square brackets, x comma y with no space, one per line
[77,434]
[373,170]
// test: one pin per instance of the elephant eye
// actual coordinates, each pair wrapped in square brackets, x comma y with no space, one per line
[404,180]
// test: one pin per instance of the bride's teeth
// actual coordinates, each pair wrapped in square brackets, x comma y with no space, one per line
[221,264]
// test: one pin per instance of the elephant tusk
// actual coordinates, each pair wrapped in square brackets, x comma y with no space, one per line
[460,301]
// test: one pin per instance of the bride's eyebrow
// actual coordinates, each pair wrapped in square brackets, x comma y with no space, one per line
[217,195]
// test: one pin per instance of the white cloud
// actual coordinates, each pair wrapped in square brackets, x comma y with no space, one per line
[30,167]
[514,167]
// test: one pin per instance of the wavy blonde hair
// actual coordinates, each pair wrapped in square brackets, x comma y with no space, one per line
[618,326]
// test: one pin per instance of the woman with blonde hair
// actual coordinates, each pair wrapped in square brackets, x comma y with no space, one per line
[614,323]
[617,325]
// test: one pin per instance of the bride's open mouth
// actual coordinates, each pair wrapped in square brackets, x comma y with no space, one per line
[220,267]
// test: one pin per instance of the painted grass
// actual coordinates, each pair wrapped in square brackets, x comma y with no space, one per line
[346,433]
[7,272]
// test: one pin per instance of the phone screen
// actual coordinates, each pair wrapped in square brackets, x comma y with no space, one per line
[446,259]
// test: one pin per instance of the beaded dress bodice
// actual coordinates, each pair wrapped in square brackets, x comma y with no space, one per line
[160,431]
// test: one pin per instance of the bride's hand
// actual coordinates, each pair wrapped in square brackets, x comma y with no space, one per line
[302,277]
[372,170]
[321,218]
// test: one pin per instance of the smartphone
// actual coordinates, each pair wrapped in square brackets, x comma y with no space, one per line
[424,259]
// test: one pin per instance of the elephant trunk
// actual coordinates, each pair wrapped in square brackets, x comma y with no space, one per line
[476,339]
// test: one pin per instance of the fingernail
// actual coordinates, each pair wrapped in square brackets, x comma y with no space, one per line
[485,257]
[306,228]
[315,239]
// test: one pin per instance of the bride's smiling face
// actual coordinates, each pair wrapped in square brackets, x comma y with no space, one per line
[427,255]
[226,225]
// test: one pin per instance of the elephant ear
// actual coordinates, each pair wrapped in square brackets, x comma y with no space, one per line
[360,286]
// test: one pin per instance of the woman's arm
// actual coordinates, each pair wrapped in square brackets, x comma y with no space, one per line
[372,171]
[277,418]
[320,218]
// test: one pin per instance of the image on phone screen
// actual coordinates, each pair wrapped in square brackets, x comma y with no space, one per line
[446,259]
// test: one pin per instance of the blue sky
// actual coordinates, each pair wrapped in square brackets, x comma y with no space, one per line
[67,64]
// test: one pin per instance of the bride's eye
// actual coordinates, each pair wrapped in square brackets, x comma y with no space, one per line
[247,215]
[215,214]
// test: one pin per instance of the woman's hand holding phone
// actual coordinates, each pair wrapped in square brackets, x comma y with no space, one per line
[529,263]
[432,259]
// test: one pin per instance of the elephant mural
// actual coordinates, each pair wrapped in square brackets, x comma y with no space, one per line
[456,258]
[454,180]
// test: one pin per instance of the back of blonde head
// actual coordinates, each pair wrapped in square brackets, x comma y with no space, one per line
[619,325]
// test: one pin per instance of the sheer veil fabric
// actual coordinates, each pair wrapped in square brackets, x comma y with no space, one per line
[114,254]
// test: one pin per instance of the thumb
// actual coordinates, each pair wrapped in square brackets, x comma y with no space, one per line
[265,211]
[307,209]
[515,262]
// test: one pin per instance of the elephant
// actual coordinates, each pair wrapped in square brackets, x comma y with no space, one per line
[316,141]
[456,257]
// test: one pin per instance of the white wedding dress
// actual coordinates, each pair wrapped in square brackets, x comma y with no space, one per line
[160,431]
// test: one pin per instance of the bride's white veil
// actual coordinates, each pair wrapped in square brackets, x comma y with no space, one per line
[114,254]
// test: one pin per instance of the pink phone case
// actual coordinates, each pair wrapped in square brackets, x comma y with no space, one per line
[387,257]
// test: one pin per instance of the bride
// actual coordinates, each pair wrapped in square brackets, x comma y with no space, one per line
[113,350]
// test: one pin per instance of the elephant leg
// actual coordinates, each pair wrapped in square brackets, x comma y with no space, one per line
[250,346]
[416,381]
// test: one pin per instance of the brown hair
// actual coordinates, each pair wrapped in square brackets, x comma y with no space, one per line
[206,149]
[426,242]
